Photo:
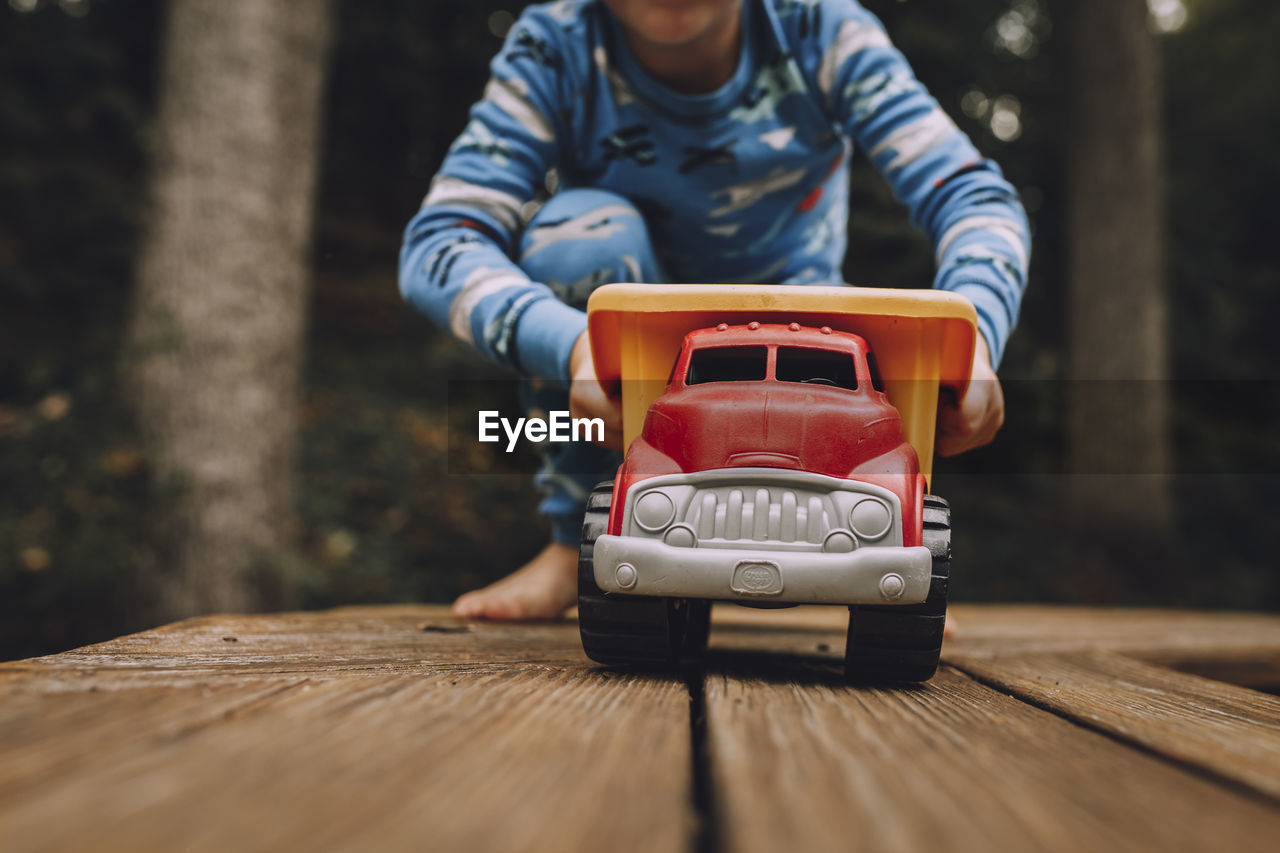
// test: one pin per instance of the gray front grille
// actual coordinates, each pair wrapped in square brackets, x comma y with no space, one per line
[731,516]
[757,509]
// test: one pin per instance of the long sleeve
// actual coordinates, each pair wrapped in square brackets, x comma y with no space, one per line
[454,262]
[960,200]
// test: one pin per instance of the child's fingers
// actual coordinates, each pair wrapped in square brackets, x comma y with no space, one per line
[972,422]
[588,400]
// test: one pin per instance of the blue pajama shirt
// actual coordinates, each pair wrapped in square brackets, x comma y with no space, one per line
[748,183]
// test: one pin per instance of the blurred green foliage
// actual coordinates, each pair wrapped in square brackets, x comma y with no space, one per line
[381,517]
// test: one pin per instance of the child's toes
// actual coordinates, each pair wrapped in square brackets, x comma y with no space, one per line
[504,608]
[468,606]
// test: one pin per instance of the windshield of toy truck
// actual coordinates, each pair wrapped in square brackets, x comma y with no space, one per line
[817,366]
[876,382]
[727,364]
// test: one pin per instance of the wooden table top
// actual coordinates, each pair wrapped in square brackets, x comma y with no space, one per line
[399,728]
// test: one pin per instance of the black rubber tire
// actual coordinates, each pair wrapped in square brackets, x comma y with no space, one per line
[895,643]
[631,629]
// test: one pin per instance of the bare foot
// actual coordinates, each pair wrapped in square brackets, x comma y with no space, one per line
[949,627]
[542,588]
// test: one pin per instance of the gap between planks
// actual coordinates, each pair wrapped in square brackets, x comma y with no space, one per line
[1226,731]
[951,765]
[1229,733]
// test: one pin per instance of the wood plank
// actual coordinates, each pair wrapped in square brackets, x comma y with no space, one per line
[392,639]
[999,628]
[45,737]
[804,637]
[342,730]
[953,765]
[1228,731]
[1257,669]
[1238,648]
[1136,632]
[376,640]
[400,727]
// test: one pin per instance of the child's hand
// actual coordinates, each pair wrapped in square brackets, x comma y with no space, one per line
[587,398]
[978,416]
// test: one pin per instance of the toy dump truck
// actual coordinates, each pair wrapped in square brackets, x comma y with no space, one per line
[770,463]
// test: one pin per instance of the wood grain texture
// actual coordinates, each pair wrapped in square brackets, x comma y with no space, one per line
[805,637]
[1137,632]
[402,728]
[342,731]
[341,643]
[1226,730]
[1000,629]
[1239,648]
[952,765]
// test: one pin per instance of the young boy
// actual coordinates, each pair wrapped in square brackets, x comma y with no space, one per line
[687,141]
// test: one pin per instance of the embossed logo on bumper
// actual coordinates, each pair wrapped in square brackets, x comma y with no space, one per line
[757,577]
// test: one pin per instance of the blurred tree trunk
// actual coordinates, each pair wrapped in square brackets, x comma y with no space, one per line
[217,327]
[1118,349]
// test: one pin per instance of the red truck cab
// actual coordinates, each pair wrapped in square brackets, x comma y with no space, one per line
[789,397]
[771,471]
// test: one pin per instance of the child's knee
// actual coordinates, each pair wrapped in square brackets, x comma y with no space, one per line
[583,238]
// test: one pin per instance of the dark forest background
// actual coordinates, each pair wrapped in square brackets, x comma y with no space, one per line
[375,515]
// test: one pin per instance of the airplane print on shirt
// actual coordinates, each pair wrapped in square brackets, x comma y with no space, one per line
[600,223]
[576,293]
[528,46]
[776,79]
[478,138]
[744,195]
[631,142]
[697,158]
[440,265]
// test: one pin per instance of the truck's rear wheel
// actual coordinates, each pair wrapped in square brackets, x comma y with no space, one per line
[631,629]
[902,643]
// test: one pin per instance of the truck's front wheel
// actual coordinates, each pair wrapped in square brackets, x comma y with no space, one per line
[903,643]
[631,629]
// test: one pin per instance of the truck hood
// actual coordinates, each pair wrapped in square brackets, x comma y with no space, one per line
[774,425]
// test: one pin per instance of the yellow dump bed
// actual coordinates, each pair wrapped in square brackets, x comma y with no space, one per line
[921,338]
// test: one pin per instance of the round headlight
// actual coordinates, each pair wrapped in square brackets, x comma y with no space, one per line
[839,542]
[870,518]
[681,536]
[654,511]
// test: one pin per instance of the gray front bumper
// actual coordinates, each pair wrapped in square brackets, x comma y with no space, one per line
[877,575]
